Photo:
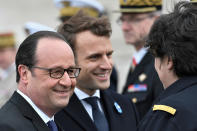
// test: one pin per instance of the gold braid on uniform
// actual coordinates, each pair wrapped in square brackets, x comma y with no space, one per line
[165,108]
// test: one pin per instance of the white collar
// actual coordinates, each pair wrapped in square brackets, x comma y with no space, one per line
[43,116]
[82,95]
[140,54]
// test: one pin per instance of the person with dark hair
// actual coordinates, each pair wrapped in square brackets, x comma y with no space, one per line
[142,85]
[46,73]
[173,42]
[93,107]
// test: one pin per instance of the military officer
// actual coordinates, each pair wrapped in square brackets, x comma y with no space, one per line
[143,84]
[7,66]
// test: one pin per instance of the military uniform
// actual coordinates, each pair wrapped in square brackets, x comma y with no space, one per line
[175,109]
[7,76]
[8,85]
[143,84]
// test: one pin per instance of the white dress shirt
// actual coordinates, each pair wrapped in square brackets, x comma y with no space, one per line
[43,116]
[139,55]
[82,95]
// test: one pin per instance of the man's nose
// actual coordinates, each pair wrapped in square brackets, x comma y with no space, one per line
[65,80]
[126,25]
[106,63]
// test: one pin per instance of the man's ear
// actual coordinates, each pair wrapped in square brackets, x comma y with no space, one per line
[23,72]
[170,63]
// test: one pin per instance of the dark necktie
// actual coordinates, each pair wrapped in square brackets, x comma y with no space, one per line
[98,116]
[51,124]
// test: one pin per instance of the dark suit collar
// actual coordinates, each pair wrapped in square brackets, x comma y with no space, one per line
[77,111]
[110,110]
[28,112]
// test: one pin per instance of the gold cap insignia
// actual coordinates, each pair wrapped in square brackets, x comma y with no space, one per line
[7,40]
[194,1]
[139,6]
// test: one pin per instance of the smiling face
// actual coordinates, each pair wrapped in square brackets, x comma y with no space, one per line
[50,94]
[94,56]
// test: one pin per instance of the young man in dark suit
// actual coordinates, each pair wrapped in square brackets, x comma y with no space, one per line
[89,38]
[46,75]
[142,84]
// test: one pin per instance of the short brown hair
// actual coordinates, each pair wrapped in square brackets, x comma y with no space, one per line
[83,22]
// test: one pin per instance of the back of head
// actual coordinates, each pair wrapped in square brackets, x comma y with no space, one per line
[69,8]
[7,40]
[83,22]
[26,54]
[140,6]
[174,35]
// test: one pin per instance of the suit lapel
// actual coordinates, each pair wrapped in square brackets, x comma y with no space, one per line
[60,128]
[76,110]
[110,111]
[28,112]
[140,67]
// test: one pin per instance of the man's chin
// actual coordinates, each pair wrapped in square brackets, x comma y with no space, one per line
[104,86]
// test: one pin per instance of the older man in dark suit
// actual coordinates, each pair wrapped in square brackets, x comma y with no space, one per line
[46,75]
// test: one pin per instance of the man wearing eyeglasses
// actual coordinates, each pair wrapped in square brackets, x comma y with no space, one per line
[142,84]
[94,107]
[46,73]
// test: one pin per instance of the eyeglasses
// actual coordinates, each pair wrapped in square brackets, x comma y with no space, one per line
[132,20]
[57,73]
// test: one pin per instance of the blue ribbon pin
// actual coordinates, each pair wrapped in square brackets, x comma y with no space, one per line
[118,108]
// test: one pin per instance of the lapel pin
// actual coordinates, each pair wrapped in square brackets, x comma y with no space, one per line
[118,108]
[142,77]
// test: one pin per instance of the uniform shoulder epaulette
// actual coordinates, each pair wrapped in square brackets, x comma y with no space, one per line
[165,108]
